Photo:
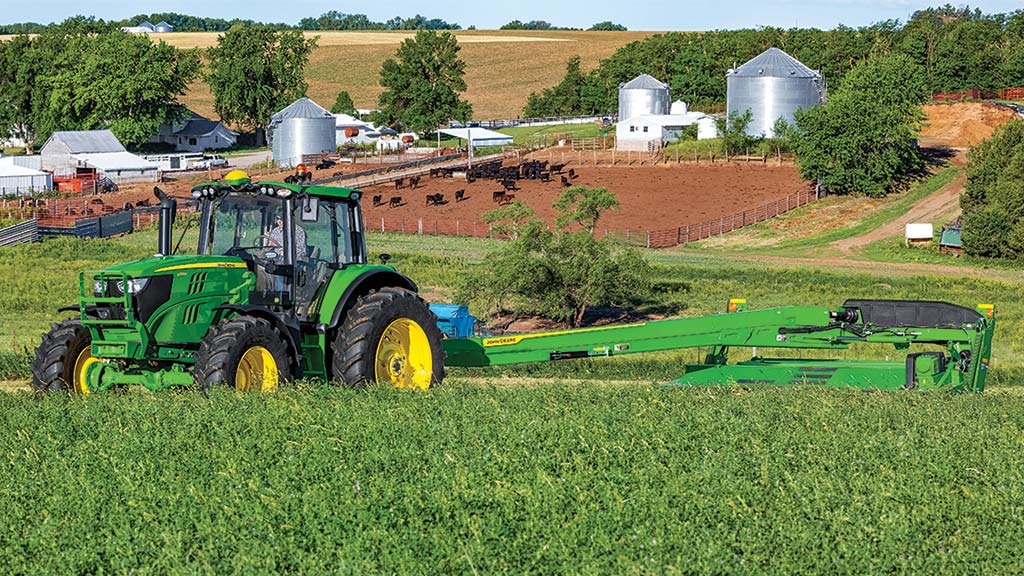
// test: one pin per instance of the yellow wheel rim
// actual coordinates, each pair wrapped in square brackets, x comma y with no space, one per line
[82,363]
[403,356]
[257,370]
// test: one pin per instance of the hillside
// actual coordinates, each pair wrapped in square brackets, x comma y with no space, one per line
[502,66]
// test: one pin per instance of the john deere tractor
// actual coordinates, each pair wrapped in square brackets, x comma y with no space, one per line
[280,288]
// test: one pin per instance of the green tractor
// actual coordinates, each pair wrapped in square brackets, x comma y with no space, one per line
[280,289]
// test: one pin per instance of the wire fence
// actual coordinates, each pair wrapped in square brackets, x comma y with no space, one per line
[663,238]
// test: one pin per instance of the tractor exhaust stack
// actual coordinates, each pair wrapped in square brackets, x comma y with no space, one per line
[168,207]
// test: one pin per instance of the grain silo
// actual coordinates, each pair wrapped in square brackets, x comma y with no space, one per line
[304,127]
[163,27]
[772,85]
[643,95]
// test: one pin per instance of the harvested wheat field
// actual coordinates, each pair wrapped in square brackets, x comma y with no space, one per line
[652,198]
[502,66]
[963,124]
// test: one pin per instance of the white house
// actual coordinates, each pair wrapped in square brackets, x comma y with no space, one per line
[195,134]
[64,152]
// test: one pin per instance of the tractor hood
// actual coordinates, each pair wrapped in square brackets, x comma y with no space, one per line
[170,264]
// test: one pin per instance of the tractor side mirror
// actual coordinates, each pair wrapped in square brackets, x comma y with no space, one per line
[384,258]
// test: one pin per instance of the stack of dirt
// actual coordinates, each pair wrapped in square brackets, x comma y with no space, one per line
[963,124]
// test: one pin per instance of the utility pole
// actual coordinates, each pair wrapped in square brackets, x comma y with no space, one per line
[469,138]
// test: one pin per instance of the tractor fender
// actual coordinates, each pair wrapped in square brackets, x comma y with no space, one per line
[362,284]
[291,334]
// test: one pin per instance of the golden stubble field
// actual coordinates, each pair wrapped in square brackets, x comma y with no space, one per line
[502,66]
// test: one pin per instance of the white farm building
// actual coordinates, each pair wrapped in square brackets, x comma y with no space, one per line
[66,152]
[648,131]
[18,180]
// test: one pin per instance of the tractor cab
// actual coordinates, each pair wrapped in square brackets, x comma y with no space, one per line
[290,239]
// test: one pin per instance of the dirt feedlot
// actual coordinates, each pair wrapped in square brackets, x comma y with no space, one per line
[653,197]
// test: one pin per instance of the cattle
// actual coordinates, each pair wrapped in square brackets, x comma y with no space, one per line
[497,195]
[506,199]
[545,176]
[572,174]
[399,183]
[435,199]
[414,182]
[509,185]
[378,200]
[460,195]
[395,202]
[565,182]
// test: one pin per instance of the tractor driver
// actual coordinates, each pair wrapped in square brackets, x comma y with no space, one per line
[277,238]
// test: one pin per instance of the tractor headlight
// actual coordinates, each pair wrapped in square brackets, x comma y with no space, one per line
[283,192]
[135,285]
[197,193]
[98,287]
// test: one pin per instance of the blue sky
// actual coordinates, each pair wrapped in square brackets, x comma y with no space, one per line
[635,14]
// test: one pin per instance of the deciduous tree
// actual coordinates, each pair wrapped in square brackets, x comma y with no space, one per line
[423,83]
[255,71]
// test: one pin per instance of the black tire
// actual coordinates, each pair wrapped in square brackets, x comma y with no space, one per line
[358,342]
[53,368]
[222,349]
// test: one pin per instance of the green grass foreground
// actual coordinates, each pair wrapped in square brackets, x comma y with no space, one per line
[471,478]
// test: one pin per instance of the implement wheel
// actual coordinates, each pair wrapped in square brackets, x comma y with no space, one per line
[62,359]
[245,353]
[390,336]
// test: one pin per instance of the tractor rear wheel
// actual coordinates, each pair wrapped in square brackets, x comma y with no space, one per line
[389,336]
[245,353]
[62,359]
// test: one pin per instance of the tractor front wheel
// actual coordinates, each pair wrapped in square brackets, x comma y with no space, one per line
[390,336]
[245,353]
[62,359]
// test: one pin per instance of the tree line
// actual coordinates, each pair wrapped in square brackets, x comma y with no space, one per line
[331,20]
[606,26]
[956,48]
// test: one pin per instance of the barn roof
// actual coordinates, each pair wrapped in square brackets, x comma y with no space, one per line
[87,141]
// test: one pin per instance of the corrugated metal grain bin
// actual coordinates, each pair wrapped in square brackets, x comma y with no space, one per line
[304,127]
[772,85]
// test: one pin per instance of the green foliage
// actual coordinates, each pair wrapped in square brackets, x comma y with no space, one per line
[85,75]
[862,141]
[335,20]
[551,479]
[255,71]
[558,275]
[733,131]
[531,25]
[422,84]
[993,201]
[509,220]
[343,104]
[566,99]
[607,26]
[583,206]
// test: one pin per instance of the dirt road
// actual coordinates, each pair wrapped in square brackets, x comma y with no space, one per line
[944,201]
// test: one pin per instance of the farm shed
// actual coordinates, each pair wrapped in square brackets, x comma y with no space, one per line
[64,152]
[351,130]
[650,132]
[480,136]
[771,85]
[18,180]
[195,134]
[303,127]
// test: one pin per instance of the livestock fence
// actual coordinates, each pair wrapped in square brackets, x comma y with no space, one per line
[975,94]
[663,238]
